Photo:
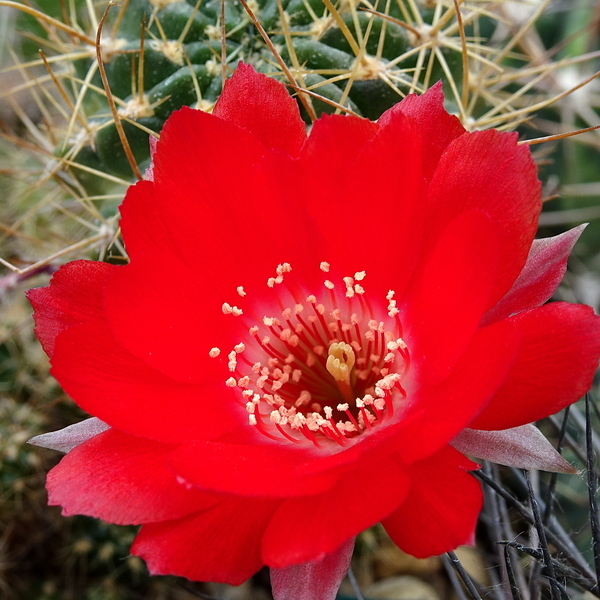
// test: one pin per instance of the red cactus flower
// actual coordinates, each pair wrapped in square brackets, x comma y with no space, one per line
[307,330]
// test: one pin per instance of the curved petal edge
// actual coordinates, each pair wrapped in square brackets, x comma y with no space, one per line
[523,447]
[64,440]
[545,267]
[315,580]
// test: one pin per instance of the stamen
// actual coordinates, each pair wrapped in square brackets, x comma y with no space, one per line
[287,389]
[345,408]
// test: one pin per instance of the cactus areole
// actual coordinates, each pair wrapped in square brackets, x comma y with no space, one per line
[362,61]
[308,329]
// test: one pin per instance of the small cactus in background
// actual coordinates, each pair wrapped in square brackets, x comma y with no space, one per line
[160,55]
[350,56]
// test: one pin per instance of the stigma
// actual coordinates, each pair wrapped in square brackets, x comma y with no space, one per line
[322,367]
[340,360]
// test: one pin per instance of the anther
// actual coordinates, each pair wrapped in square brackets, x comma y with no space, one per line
[231,310]
[232,364]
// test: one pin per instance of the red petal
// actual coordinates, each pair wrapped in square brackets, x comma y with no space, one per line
[381,235]
[141,222]
[121,479]
[438,128]
[221,544]
[488,171]
[230,217]
[73,297]
[441,509]
[333,145]
[554,366]
[316,580]
[543,271]
[263,106]
[307,528]
[447,303]
[164,314]
[379,442]
[252,470]
[449,406]
[126,393]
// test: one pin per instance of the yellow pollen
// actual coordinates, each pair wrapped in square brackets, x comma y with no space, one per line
[340,361]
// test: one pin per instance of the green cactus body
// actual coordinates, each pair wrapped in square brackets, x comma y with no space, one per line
[109,148]
[158,65]
[393,36]
[361,64]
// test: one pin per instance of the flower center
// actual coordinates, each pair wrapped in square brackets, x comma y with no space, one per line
[326,369]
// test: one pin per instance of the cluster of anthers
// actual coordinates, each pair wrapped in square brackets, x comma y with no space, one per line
[322,370]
